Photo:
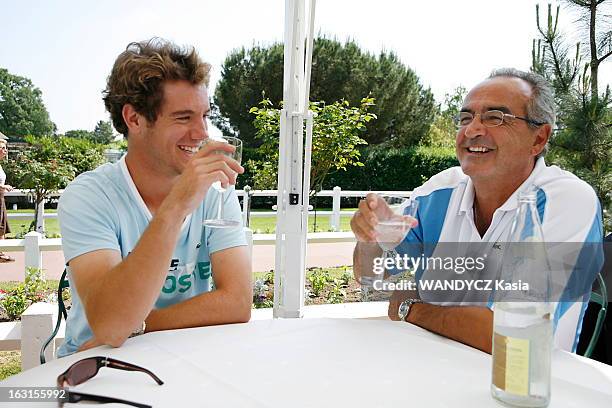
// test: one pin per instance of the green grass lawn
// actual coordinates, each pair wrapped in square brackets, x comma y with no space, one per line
[260,225]
[20,226]
[267,225]
[50,284]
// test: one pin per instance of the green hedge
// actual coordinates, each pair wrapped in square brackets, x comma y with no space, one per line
[384,169]
[393,169]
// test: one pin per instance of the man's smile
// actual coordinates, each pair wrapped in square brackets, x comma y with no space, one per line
[189,149]
[479,149]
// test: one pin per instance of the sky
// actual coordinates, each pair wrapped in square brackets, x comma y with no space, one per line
[67,47]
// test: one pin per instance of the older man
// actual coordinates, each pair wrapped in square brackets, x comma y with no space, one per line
[503,130]
[139,258]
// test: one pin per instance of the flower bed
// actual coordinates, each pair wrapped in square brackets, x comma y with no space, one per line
[15,297]
[323,286]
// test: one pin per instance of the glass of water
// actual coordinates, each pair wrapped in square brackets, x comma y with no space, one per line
[393,223]
[219,221]
[395,218]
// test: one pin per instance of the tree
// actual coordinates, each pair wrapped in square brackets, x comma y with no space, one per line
[599,42]
[404,108]
[42,177]
[49,164]
[79,134]
[335,136]
[103,133]
[83,155]
[22,111]
[245,76]
[583,139]
[443,130]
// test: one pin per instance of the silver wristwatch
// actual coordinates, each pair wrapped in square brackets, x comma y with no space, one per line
[404,308]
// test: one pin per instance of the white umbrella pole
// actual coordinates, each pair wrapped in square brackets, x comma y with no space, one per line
[292,202]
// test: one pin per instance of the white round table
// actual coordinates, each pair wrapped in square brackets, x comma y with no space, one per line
[313,363]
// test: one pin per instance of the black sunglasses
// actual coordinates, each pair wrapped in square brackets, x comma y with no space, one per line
[87,368]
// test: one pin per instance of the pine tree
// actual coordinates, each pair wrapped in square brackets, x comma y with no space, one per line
[583,138]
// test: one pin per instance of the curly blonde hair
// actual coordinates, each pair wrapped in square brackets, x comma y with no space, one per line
[139,73]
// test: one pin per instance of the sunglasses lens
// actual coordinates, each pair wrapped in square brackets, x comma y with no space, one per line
[82,371]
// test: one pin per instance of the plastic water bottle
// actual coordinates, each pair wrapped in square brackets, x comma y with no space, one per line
[522,327]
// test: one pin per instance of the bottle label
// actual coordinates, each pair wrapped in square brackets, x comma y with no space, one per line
[511,364]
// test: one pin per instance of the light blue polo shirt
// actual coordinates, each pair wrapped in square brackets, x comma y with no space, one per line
[102,209]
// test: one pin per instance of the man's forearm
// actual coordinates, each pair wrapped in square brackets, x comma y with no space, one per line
[469,325]
[207,309]
[230,302]
[122,298]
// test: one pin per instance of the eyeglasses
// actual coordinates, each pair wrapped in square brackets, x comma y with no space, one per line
[492,118]
[87,368]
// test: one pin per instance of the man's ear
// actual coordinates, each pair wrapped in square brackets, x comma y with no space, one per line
[133,120]
[541,138]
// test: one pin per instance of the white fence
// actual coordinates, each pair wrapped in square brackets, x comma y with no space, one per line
[33,244]
[334,215]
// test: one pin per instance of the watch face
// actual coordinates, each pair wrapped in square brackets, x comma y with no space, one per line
[402,312]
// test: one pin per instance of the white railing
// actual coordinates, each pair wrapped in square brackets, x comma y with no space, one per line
[334,215]
[33,244]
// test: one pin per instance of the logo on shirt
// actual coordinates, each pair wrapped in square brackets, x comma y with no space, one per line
[184,282]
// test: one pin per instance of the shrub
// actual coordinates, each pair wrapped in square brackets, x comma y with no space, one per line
[335,139]
[383,169]
[262,297]
[394,169]
[336,294]
[318,280]
[16,301]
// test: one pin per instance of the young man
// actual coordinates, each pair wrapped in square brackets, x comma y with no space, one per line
[139,258]
[503,129]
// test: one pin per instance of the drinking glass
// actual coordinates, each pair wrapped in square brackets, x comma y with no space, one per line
[219,221]
[393,225]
